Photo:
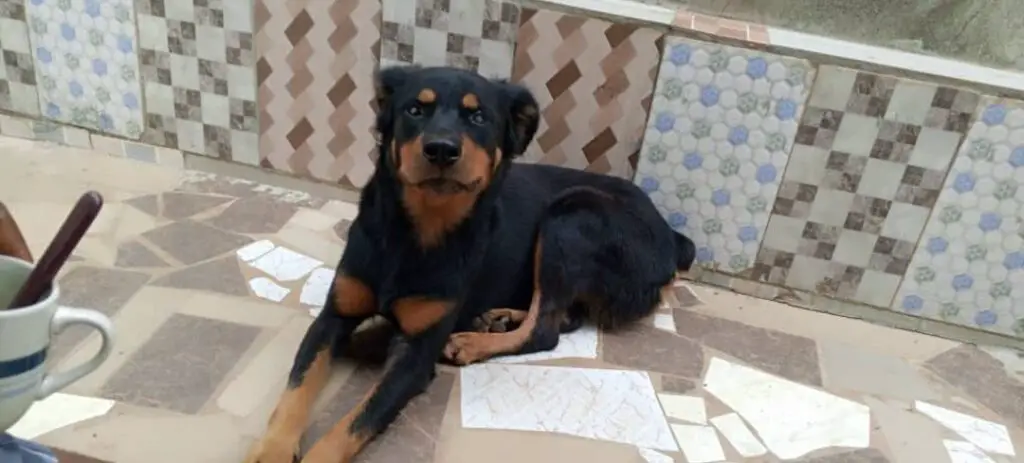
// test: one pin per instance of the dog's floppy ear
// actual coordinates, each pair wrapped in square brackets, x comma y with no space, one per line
[524,116]
[386,82]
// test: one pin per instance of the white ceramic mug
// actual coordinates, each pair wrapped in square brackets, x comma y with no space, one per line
[25,337]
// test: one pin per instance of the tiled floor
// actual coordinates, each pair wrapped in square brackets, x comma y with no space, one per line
[207,280]
[869,161]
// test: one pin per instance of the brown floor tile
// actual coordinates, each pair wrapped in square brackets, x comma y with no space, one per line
[647,348]
[855,456]
[148,204]
[411,438]
[686,296]
[105,290]
[134,254]
[191,242]
[789,356]
[182,365]
[220,276]
[102,289]
[983,378]
[184,205]
[255,215]
[676,385]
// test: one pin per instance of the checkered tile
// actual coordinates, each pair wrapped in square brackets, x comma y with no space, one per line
[869,161]
[198,68]
[478,35]
[18,91]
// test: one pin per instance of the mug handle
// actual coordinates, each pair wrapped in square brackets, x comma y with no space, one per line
[63,318]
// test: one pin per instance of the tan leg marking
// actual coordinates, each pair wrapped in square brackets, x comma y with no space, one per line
[291,416]
[340,444]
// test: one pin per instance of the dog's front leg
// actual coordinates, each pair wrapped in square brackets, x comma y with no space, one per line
[348,304]
[425,325]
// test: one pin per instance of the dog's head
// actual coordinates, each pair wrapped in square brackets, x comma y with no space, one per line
[447,132]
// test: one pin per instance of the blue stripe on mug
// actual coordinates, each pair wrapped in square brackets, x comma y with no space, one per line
[15,367]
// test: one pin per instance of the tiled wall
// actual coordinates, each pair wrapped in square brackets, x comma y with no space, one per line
[803,179]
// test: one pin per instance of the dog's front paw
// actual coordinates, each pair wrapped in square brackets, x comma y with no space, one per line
[467,348]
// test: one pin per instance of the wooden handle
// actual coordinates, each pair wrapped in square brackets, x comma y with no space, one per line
[68,237]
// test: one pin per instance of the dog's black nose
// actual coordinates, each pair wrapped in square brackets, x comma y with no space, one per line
[442,152]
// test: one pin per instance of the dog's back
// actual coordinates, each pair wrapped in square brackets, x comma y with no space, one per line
[606,247]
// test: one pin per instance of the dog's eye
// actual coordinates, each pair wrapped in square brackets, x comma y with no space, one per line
[477,117]
[414,110]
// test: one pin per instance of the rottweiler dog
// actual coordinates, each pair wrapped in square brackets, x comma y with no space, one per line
[453,238]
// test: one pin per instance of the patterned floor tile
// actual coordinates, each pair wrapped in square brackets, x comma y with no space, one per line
[87,64]
[593,80]
[105,290]
[870,157]
[134,254]
[315,66]
[199,75]
[792,357]
[18,91]
[984,378]
[479,35]
[220,276]
[168,374]
[968,267]
[661,351]
[192,242]
[254,215]
[722,123]
[177,206]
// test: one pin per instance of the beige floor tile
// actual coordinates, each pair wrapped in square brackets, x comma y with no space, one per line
[240,310]
[474,446]
[132,434]
[848,367]
[134,325]
[262,379]
[915,347]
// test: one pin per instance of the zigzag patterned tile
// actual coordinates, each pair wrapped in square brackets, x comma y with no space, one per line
[593,80]
[316,60]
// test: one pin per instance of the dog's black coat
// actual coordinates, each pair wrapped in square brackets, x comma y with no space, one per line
[605,252]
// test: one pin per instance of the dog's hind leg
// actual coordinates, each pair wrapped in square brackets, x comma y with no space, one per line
[348,304]
[538,330]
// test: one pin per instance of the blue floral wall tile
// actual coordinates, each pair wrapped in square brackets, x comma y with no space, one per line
[87,63]
[722,122]
[968,268]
